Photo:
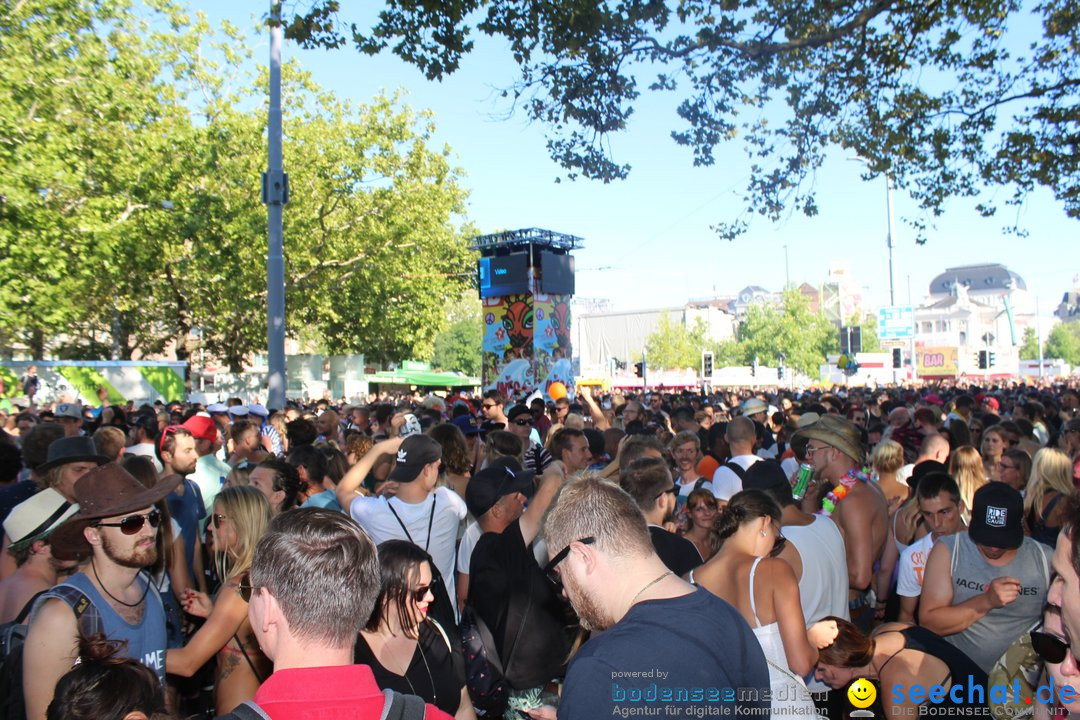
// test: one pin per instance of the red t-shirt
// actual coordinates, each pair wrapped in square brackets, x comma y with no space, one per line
[345,692]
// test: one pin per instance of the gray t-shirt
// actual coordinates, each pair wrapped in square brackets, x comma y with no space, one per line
[987,638]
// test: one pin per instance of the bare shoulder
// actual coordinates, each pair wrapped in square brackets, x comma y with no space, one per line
[53,625]
[777,571]
[53,614]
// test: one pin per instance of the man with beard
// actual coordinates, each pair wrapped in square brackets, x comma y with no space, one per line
[649,482]
[661,635]
[834,447]
[178,455]
[115,530]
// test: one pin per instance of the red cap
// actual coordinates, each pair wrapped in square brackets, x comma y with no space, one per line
[202,427]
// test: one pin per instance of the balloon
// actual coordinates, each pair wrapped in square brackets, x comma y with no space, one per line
[557,390]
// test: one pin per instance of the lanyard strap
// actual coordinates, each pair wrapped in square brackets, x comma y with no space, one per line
[431,520]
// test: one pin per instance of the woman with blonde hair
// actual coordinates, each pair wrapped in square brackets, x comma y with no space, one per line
[966,468]
[886,459]
[1051,481]
[241,516]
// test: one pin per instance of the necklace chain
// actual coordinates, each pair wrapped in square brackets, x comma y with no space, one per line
[427,667]
[642,590]
[113,597]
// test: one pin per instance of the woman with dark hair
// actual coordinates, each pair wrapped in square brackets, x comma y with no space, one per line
[456,461]
[701,507]
[106,687]
[745,572]
[897,655]
[407,650]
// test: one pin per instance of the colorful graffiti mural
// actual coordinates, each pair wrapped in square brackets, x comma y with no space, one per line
[527,343]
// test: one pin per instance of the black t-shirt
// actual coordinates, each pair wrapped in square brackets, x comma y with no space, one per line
[678,553]
[503,576]
[679,657]
[436,673]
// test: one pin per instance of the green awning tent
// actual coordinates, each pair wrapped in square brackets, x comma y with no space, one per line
[423,378]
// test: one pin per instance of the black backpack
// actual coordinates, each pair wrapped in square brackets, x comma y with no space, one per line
[485,673]
[13,635]
[488,690]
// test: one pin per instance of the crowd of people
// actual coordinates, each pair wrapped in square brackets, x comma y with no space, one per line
[483,556]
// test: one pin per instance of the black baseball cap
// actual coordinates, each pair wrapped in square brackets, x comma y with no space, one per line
[415,452]
[996,511]
[503,477]
[765,475]
[518,410]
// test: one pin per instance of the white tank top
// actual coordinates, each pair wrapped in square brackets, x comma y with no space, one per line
[823,587]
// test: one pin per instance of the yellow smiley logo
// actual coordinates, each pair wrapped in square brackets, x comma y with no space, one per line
[862,693]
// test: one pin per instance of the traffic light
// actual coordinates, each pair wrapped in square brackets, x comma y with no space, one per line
[706,364]
[753,367]
[780,373]
[990,359]
[984,359]
[639,368]
[897,358]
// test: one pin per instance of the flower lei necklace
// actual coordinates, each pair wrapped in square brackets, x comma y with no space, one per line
[838,493]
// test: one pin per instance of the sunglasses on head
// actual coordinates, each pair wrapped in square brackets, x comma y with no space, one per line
[169,430]
[1050,648]
[134,523]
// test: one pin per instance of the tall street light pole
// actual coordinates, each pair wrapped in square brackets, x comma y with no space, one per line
[891,230]
[275,193]
[889,237]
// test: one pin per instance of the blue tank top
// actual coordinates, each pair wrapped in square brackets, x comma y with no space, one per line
[146,641]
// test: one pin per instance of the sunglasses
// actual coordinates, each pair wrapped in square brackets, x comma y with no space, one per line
[673,490]
[523,423]
[487,406]
[1050,648]
[169,430]
[132,524]
[420,593]
[218,519]
[778,546]
[244,587]
[551,569]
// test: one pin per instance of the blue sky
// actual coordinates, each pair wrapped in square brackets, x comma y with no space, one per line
[647,239]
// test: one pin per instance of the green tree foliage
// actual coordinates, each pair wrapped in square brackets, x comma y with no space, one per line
[79,110]
[865,76]
[674,346]
[458,346]
[131,216]
[1064,343]
[1029,347]
[791,328]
